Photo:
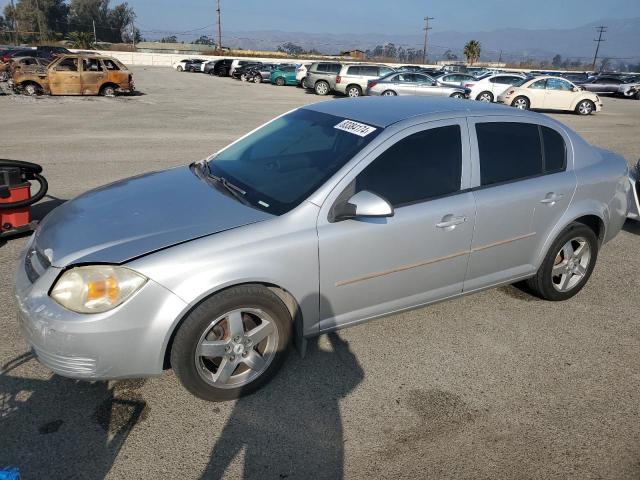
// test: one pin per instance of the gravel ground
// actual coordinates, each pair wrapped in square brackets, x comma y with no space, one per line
[495,385]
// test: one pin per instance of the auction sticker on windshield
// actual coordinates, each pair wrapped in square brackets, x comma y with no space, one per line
[356,128]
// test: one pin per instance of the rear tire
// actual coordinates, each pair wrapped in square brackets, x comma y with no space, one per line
[280,81]
[257,78]
[322,88]
[31,89]
[197,372]
[457,95]
[521,103]
[303,83]
[562,258]
[108,91]
[353,91]
[485,97]
[179,68]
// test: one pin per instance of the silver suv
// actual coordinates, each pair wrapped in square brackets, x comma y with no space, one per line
[321,77]
[353,79]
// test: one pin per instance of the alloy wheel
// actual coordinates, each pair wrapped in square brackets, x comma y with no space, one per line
[322,88]
[236,348]
[585,108]
[520,103]
[353,92]
[485,97]
[571,264]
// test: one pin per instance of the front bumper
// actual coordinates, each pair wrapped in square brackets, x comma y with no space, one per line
[126,342]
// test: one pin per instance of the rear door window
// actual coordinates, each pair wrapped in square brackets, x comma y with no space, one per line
[419,167]
[353,70]
[508,151]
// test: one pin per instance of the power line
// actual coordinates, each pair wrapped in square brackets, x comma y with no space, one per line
[426,35]
[601,29]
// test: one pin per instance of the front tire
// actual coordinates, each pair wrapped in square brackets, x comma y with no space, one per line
[280,81]
[31,89]
[457,95]
[232,344]
[585,107]
[389,93]
[303,83]
[257,78]
[108,91]
[568,264]
[179,68]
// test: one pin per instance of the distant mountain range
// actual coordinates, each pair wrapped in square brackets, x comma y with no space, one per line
[622,41]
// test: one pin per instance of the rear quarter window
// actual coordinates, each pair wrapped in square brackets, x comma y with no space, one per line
[555,151]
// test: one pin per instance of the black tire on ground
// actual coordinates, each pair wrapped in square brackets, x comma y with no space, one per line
[354,91]
[257,78]
[541,284]
[108,91]
[280,81]
[189,332]
[180,69]
[521,103]
[485,97]
[389,93]
[457,95]
[585,107]
[303,83]
[322,88]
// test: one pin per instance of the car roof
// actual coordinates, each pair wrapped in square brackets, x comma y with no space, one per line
[385,111]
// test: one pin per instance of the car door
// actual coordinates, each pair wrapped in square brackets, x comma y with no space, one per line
[369,266]
[64,77]
[520,196]
[91,76]
[559,94]
[501,82]
[427,86]
[404,84]
[536,93]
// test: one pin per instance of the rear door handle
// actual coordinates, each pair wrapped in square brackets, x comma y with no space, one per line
[551,198]
[450,221]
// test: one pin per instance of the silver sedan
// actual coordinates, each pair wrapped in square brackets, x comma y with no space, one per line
[406,83]
[326,217]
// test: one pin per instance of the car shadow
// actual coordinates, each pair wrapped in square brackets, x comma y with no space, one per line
[292,428]
[42,209]
[632,226]
[62,428]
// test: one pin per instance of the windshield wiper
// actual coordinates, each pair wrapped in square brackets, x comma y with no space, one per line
[234,190]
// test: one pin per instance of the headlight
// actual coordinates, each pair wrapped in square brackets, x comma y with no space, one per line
[96,288]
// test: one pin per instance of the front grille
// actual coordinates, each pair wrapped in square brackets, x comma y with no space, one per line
[35,264]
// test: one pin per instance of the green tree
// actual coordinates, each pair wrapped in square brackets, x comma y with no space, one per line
[472,51]
[291,49]
[82,40]
[449,55]
[169,39]
[41,20]
[204,40]
[557,61]
[112,24]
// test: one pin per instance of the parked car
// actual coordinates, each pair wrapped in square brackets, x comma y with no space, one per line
[353,78]
[20,52]
[406,83]
[488,88]
[634,196]
[51,51]
[76,75]
[455,79]
[625,86]
[575,77]
[551,93]
[260,73]
[221,68]
[284,75]
[31,64]
[238,63]
[194,65]
[630,88]
[432,72]
[321,77]
[239,72]
[410,68]
[180,65]
[301,74]
[106,288]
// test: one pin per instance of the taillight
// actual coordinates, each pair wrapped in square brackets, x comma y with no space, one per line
[469,85]
[510,92]
[338,79]
[372,83]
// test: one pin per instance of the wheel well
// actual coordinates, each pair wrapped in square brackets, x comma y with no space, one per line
[30,82]
[108,84]
[595,223]
[354,85]
[287,298]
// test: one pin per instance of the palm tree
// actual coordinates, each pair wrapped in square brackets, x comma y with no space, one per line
[82,40]
[472,51]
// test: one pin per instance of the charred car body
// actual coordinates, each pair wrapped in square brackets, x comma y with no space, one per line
[76,75]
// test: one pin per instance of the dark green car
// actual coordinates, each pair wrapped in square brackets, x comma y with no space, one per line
[284,76]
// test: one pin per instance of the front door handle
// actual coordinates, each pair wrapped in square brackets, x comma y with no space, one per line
[551,198]
[450,221]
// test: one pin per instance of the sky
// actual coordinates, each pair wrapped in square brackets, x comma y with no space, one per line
[372,16]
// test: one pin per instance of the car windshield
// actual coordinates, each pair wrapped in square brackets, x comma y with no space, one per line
[282,163]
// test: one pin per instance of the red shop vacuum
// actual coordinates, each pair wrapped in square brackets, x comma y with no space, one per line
[16,199]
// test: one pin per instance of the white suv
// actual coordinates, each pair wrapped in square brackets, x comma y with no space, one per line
[488,89]
[353,78]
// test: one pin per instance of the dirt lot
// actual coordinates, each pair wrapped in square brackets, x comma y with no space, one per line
[495,385]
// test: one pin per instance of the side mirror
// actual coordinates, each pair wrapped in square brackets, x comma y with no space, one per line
[364,204]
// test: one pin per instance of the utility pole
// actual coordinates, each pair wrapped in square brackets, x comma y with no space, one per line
[219,26]
[500,57]
[601,29]
[95,37]
[426,35]
[15,23]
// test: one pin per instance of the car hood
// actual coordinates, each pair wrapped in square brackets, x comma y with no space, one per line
[137,216]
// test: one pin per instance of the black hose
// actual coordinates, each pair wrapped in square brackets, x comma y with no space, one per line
[31,171]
